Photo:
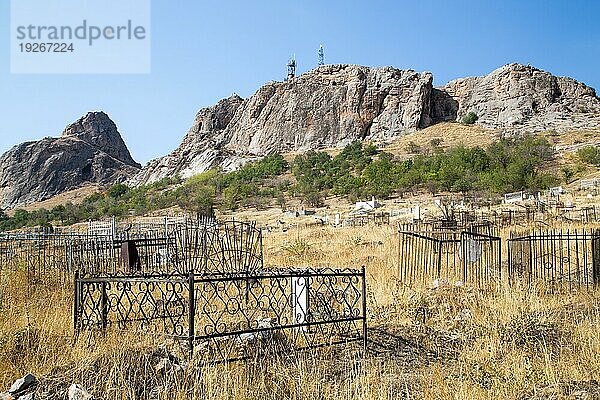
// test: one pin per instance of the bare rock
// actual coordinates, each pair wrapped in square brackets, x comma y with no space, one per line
[334,105]
[330,106]
[90,151]
[200,149]
[78,392]
[519,97]
[23,386]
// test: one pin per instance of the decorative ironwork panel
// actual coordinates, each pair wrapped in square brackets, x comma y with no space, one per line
[227,247]
[149,305]
[228,316]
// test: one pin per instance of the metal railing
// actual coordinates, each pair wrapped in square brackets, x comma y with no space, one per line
[465,256]
[555,258]
[230,246]
[225,316]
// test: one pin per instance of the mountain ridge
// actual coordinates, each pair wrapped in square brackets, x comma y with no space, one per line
[333,105]
[327,107]
[89,151]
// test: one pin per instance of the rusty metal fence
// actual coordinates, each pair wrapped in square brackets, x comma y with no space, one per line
[228,316]
[470,257]
[207,247]
[558,260]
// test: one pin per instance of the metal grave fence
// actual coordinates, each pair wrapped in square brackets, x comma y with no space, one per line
[230,246]
[228,316]
[469,257]
[557,259]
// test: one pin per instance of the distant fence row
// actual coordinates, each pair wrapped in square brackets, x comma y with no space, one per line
[203,247]
[551,259]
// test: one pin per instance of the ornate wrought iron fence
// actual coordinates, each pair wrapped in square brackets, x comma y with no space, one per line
[231,246]
[450,255]
[226,316]
[557,259]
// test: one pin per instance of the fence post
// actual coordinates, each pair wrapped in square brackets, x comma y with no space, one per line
[465,254]
[364,306]
[499,261]
[439,244]
[191,313]
[104,304]
[76,303]
[595,236]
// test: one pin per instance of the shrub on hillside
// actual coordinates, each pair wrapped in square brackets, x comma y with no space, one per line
[469,118]
[590,155]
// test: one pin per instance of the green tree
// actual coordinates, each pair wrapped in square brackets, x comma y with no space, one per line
[469,118]
[590,155]
[117,191]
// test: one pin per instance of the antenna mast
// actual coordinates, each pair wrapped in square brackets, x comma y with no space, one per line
[291,67]
[321,55]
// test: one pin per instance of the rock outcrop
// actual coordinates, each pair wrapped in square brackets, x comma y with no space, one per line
[201,147]
[517,97]
[327,107]
[335,104]
[90,150]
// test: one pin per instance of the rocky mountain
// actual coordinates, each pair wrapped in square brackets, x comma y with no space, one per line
[333,105]
[89,150]
[520,97]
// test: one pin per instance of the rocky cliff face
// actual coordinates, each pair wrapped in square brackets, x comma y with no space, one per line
[202,146]
[90,150]
[336,104]
[328,107]
[520,98]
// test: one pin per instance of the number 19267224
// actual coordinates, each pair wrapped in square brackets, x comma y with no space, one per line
[46,47]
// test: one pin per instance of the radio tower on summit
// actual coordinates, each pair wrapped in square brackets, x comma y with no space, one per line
[321,55]
[291,67]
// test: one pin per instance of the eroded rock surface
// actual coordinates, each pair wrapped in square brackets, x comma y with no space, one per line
[90,150]
[334,105]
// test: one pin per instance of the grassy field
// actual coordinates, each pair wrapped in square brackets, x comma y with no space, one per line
[446,343]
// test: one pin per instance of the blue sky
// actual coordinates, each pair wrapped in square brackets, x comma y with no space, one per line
[203,51]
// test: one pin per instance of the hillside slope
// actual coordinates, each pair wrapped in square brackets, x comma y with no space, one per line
[90,151]
[333,105]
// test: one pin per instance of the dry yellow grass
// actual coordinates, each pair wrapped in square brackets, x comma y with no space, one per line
[449,343]
[74,196]
[450,134]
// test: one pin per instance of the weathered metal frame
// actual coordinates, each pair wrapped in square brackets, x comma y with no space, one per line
[555,259]
[230,246]
[466,256]
[212,312]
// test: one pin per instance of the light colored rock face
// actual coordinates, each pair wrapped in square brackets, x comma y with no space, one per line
[523,98]
[90,150]
[330,106]
[201,148]
[334,105]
